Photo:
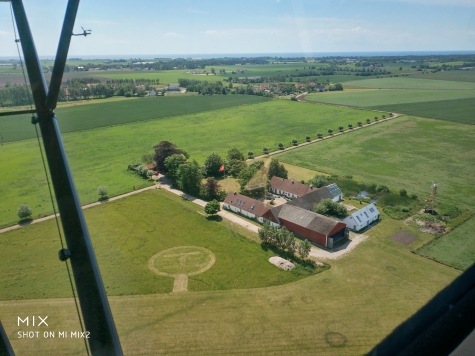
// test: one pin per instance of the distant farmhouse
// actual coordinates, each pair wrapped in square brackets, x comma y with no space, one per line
[173,88]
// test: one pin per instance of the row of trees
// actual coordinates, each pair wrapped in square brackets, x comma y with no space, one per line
[284,240]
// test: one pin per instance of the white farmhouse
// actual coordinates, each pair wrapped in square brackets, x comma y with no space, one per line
[362,218]
[246,206]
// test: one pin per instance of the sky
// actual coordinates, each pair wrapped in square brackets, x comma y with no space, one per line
[133,28]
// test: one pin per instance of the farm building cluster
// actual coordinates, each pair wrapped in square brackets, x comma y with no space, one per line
[297,215]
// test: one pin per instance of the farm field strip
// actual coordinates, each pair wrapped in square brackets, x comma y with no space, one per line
[109,113]
[375,98]
[457,110]
[101,156]
[406,153]
[453,75]
[410,83]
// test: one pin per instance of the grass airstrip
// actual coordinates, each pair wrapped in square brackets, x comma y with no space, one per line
[101,156]
[231,307]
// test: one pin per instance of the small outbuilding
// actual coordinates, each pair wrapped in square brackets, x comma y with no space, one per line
[362,218]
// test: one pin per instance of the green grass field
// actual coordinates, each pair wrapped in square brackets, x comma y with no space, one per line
[409,83]
[109,113]
[457,110]
[126,234]
[371,98]
[457,248]
[452,105]
[407,153]
[345,310]
[453,75]
[101,156]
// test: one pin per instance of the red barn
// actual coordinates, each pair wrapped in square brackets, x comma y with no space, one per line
[316,228]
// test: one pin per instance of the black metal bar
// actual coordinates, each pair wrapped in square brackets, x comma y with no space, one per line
[62,54]
[17,112]
[5,346]
[90,289]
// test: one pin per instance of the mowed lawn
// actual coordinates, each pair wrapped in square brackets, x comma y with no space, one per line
[126,234]
[457,248]
[116,112]
[407,152]
[101,156]
[345,310]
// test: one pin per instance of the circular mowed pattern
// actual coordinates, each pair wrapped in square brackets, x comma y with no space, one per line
[182,260]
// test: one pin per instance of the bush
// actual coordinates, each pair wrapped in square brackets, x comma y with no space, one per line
[404,209]
[319,135]
[413,196]
[212,207]
[350,126]
[272,202]
[403,193]
[359,123]
[340,128]
[102,192]
[24,212]
[293,98]
[330,131]
[319,181]
[294,142]
[368,121]
[376,118]
[265,150]
[281,145]
[328,207]
[307,138]
[381,188]
[250,154]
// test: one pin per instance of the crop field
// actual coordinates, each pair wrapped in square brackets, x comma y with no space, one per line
[409,83]
[407,152]
[457,110]
[453,75]
[126,234]
[109,113]
[345,310]
[101,156]
[371,98]
[457,248]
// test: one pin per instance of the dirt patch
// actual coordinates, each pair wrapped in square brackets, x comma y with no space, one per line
[433,228]
[403,238]
[281,263]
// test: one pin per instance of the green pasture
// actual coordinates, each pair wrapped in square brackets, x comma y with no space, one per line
[345,310]
[457,110]
[457,248]
[101,156]
[371,98]
[409,83]
[452,75]
[126,234]
[117,112]
[165,76]
[406,152]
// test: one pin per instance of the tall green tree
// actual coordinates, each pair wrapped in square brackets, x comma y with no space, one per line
[212,208]
[189,177]
[172,163]
[234,153]
[277,169]
[163,150]
[212,164]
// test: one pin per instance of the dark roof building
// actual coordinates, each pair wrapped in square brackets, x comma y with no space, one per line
[289,188]
[312,198]
[244,205]
[316,228]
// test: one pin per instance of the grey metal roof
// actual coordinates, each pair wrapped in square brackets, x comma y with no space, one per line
[309,200]
[307,219]
[334,190]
